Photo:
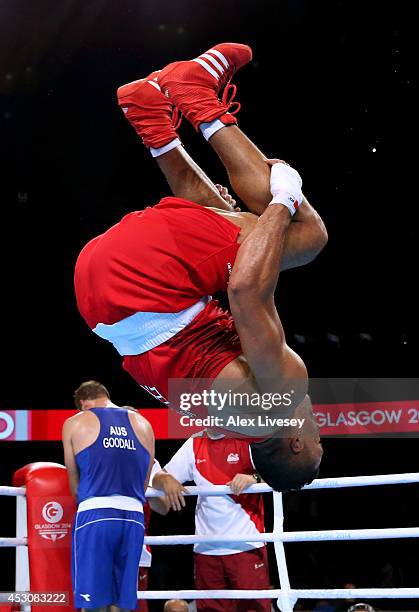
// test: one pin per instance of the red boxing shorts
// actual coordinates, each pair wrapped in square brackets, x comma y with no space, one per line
[201,350]
[164,259]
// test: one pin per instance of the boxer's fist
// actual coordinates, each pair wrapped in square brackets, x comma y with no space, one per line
[286,186]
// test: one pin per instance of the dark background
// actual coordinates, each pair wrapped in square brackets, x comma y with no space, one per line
[331,91]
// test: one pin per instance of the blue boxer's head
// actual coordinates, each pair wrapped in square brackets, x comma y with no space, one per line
[88,392]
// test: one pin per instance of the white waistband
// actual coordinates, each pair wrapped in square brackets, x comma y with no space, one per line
[143,331]
[120,502]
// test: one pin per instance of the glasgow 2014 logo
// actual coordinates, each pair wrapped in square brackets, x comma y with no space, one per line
[53,530]
[52,512]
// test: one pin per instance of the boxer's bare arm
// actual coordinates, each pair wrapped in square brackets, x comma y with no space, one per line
[305,238]
[69,457]
[251,293]
[157,504]
[145,434]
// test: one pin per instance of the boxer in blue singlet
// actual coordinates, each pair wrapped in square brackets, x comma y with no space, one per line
[109,452]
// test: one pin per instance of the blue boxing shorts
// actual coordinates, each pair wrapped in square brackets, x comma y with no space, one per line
[106,551]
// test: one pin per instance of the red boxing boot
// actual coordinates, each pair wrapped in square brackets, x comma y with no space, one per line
[194,86]
[150,113]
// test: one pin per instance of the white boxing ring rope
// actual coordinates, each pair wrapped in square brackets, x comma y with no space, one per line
[292,536]
[286,595]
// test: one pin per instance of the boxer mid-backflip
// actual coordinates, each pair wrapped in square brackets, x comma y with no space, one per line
[109,453]
[146,284]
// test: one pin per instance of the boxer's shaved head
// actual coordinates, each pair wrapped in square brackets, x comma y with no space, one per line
[288,463]
[89,390]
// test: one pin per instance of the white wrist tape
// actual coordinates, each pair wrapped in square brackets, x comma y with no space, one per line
[286,185]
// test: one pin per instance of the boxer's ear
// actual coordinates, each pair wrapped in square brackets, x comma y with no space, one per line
[86,404]
[297,445]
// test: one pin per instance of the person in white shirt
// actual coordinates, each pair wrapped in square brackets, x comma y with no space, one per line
[211,459]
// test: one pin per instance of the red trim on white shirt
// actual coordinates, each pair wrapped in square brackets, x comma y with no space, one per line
[208,461]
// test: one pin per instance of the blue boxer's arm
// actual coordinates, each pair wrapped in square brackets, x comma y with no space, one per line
[69,458]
